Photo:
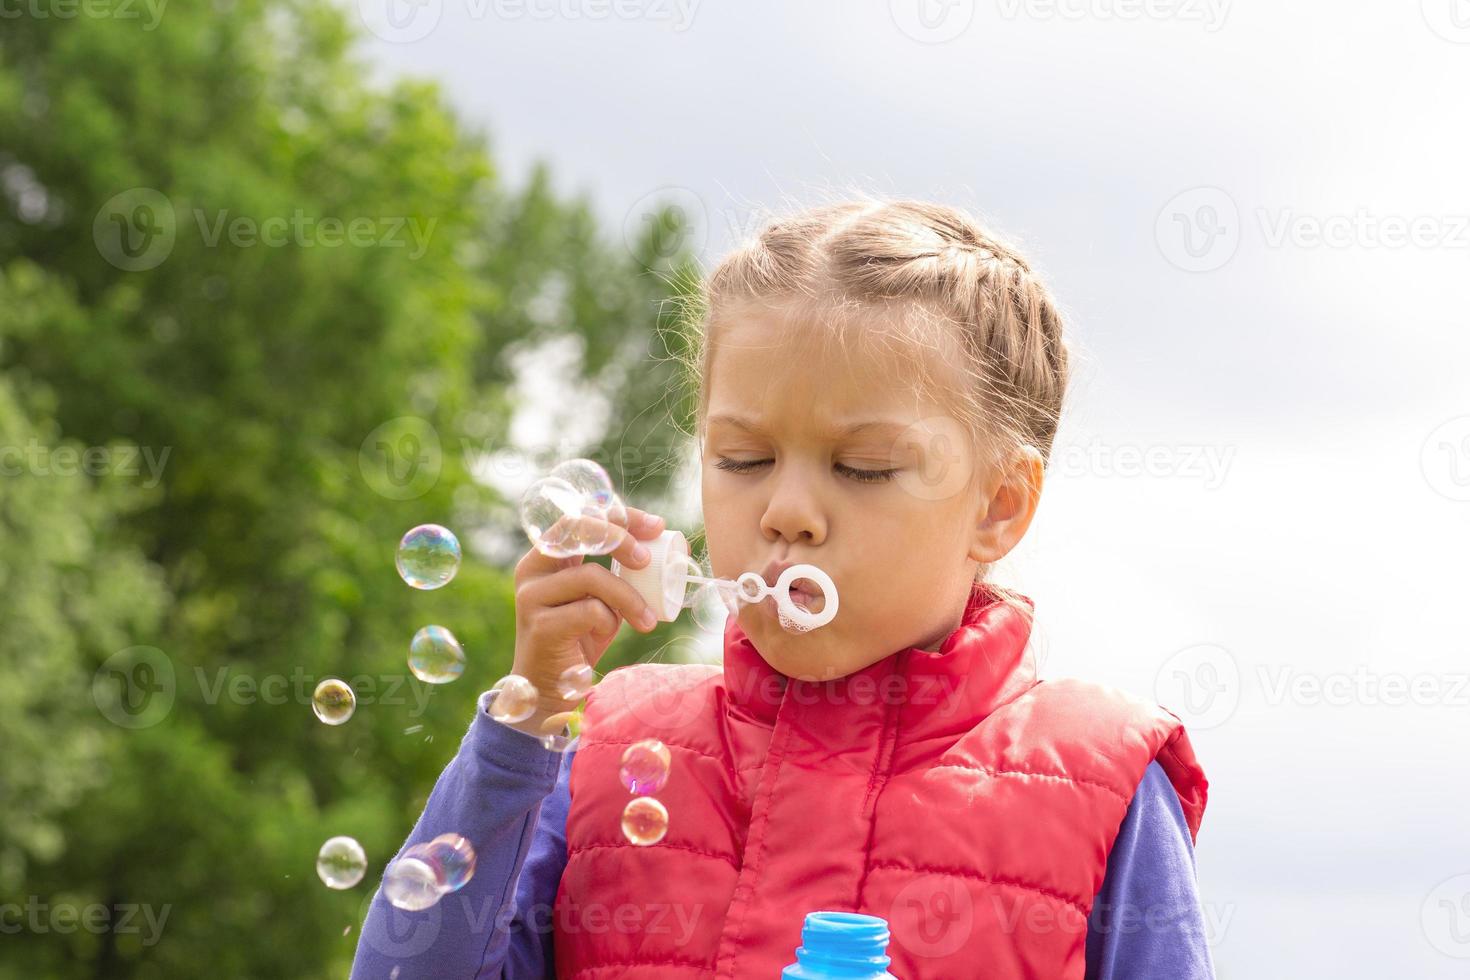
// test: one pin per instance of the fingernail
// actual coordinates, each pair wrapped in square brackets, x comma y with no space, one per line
[650,521]
[640,552]
[648,619]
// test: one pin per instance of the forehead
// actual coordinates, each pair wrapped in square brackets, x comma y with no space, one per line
[782,373]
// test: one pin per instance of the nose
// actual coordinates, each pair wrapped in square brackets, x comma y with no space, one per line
[794,510]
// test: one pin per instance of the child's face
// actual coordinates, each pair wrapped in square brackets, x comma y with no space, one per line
[903,551]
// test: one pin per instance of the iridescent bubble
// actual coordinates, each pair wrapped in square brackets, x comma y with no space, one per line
[513,699]
[575,682]
[561,731]
[592,480]
[435,656]
[428,556]
[341,862]
[333,701]
[453,859]
[712,605]
[645,767]
[410,882]
[645,821]
[563,522]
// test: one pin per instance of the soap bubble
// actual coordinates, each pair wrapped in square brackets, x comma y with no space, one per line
[428,556]
[563,522]
[426,872]
[712,605]
[590,479]
[513,699]
[575,682]
[645,767]
[435,656]
[453,859]
[410,883]
[333,701]
[341,862]
[564,728]
[645,821]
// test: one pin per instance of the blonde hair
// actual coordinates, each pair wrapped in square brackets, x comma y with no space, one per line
[933,276]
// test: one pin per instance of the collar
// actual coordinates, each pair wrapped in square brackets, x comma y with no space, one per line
[983,663]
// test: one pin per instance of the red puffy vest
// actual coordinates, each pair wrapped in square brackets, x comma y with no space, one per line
[948,791]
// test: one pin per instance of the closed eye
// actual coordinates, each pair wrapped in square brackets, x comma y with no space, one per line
[851,472]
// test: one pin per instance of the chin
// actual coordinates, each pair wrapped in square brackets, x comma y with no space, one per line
[799,655]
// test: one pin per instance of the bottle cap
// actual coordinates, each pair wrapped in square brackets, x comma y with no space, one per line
[660,582]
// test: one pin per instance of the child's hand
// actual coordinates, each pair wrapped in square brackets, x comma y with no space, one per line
[568,611]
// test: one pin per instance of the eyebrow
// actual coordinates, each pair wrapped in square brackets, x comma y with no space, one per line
[841,431]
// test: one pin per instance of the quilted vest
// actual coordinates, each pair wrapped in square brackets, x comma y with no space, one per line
[951,792]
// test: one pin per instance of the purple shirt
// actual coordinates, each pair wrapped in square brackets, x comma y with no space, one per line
[508,795]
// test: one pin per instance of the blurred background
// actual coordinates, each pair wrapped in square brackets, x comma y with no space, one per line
[280,279]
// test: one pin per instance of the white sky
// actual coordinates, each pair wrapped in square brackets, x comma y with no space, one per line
[1329,540]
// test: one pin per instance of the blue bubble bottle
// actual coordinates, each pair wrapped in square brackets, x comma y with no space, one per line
[841,946]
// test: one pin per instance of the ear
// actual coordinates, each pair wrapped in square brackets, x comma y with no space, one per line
[1008,501]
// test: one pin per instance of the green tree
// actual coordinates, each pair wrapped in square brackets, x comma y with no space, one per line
[178,276]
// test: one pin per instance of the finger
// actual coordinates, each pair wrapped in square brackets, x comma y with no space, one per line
[573,584]
[643,524]
[587,615]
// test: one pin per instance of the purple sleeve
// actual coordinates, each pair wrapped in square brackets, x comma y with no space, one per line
[492,793]
[1146,921]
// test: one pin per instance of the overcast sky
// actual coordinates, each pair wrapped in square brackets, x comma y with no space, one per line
[1258,221]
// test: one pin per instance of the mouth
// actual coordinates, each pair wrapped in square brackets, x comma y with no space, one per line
[803,596]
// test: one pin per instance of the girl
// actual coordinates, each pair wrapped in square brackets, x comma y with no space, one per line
[880,385]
